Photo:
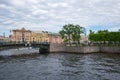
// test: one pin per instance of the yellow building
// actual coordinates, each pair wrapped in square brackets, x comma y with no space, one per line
[32,37]
[40,36]
[21,35]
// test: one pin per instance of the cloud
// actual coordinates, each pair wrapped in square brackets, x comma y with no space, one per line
[61,4]
[38,12]
[19,3]
[51,15]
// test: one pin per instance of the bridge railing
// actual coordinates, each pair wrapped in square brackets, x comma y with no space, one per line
[25,44]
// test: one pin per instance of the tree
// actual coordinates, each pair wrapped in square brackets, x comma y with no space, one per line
[77,31]
[66,32]
[71,33]
[105,36]
[119,30]
[91,35]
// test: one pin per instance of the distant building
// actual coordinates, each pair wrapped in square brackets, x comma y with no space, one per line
[1,38]
[32,37]
[40,36]
[21,35]
[7,39]
[84,39]
[55,38]
[4,39]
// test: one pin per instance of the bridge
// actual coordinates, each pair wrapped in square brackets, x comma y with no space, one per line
[43,46]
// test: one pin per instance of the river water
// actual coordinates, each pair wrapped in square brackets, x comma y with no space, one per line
[61,66]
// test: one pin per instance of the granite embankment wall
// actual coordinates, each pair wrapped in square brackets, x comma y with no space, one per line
[111,49]
[85,49]
[73,49]
[57,48]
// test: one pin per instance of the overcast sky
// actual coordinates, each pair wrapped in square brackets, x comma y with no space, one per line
[51,15]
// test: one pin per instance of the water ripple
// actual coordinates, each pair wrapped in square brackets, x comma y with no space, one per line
[61,66]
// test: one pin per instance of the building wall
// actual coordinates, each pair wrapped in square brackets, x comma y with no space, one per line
[40,36]
[21,35]
[32,38]
[4,39]
[55,38]
[84,40]
[1,38]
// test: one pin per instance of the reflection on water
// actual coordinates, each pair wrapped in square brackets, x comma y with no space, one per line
[19,51]
[61,66]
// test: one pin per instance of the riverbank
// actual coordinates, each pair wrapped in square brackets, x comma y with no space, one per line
[84,49]
[61,48]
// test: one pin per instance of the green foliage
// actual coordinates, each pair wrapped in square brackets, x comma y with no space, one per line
[71,33]
[105,35]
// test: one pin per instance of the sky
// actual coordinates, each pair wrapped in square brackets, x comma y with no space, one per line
[52,15]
